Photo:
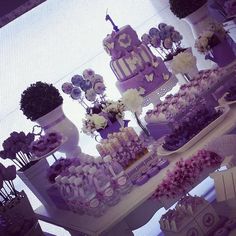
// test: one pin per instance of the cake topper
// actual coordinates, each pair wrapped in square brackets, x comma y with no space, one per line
[108,18]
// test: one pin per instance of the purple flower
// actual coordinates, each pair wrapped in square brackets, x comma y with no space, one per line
[9,173]
[3,154]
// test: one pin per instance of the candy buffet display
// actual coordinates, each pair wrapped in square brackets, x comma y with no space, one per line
[16,214]
[89,188]
[134,65]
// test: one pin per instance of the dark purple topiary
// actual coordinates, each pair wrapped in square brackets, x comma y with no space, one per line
[183,8]
[39,99]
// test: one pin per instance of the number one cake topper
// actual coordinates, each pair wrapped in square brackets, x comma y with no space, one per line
[108,18]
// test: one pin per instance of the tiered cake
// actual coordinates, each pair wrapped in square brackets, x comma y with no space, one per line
[133,63]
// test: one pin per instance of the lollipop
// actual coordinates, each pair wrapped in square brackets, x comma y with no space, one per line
[90,95]
[146,39]
[88,73]
[67,87]
[162,26]
[76,80]
[86,85]
[99,88]
[154,32]
[76,93]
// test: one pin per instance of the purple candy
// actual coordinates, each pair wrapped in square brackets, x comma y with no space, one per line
[163,163]
[142,180]
[153,171]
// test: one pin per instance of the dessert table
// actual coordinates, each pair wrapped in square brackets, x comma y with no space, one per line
[136,208]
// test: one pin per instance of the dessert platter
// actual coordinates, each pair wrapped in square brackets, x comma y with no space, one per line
[223,113]
[47,145]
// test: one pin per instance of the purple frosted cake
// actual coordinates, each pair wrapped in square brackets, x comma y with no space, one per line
[133,63]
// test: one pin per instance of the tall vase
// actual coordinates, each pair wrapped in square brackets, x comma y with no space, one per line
[222,54]
[199,20]
[35,178]
[57,121]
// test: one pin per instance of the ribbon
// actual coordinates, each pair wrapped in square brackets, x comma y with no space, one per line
[55,122]
[201,19]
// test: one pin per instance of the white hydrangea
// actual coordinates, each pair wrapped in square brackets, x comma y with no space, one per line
[133,100]
[184,63]
[99,121]
[93,122]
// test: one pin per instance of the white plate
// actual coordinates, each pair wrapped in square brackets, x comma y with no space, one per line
[162,152]
[223,102]
[34,158]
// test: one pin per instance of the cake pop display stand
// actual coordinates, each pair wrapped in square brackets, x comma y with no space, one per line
[136,208]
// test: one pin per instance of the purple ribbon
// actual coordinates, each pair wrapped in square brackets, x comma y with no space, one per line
[201,19]
[55,122]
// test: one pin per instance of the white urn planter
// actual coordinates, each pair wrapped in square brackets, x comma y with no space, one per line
[57,121]
[199,20]
[35,178]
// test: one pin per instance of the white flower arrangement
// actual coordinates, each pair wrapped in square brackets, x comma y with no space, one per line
[93,122]
[184,63]
[210,38]
[132,100]
[117,108]
[203,42]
